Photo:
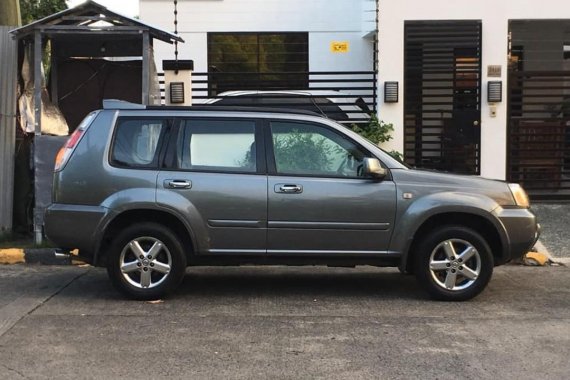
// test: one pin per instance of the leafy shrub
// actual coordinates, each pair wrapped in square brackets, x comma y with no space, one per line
[378,132]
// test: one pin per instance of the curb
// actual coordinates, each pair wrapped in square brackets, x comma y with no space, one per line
[537,256]
[541,248]
[540,256]
[42,256]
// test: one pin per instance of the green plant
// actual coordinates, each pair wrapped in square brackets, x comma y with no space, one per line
[378,132]
[397,155]
[33,10]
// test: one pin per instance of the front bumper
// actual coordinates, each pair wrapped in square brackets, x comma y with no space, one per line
[522,231]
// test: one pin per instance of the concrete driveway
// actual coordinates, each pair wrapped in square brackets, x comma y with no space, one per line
[283,323]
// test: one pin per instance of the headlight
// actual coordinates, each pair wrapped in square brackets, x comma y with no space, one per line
[521,198]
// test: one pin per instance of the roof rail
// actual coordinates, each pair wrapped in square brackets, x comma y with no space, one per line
[114,104]
[214,107]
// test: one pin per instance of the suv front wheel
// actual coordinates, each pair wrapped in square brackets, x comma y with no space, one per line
[454,263]
[146,261]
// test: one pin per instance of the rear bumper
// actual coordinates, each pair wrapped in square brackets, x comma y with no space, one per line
[74,226]
[522,231]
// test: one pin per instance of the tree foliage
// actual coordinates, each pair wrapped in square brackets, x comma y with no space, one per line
[33,10]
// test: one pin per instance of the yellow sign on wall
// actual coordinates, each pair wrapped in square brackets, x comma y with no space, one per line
[339,47]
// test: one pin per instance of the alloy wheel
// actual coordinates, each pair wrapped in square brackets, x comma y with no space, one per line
[455,264]
[145,262]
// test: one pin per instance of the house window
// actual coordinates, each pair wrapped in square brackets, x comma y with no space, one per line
[257,61]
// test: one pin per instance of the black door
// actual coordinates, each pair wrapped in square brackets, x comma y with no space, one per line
[538,96]
[442,97]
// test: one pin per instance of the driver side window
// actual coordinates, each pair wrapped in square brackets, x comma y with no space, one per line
[308,149]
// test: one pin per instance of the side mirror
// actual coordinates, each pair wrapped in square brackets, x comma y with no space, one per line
[373,168]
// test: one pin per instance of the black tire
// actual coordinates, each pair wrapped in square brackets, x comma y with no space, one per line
[468,278]
[162,274]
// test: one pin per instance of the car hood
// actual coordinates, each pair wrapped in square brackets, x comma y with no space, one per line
[424,182]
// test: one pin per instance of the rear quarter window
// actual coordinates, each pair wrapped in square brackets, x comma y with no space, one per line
[136,142]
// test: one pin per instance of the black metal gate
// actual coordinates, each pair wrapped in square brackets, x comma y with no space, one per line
[539,108]
[442,95]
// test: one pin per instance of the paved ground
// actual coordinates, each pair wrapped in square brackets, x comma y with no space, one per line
[555,221]
[283,323]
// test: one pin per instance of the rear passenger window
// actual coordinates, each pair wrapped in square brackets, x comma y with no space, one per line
[136,142]
[217,145]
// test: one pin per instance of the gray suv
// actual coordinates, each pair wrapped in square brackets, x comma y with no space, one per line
[147,191]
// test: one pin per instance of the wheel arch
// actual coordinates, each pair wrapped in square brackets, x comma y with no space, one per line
[490,230]
[128,217]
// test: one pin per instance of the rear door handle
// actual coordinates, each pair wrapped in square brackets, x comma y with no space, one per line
[177,184]
[288,188]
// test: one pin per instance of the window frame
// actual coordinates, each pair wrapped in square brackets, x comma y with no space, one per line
[209,42]
[171,154]
[272,166]
[159,154]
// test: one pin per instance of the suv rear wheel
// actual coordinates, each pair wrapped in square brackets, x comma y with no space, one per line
[146,261]
[454,263]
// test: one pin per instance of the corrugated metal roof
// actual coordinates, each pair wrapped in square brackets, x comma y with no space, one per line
[93,8]
[8,79]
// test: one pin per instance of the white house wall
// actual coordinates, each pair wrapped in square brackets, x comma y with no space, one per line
[324,20]
[495,16]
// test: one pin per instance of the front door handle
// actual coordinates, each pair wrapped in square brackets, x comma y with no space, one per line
[288,189]
[177,184]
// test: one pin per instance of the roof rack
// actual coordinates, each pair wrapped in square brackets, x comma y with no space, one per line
[212,107]
[123,105]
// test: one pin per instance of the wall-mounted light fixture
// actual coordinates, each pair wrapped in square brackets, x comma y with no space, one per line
[495,91]
[176,92]
[178,81]
[390,92]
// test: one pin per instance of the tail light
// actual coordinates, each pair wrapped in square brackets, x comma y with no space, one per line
[67,149]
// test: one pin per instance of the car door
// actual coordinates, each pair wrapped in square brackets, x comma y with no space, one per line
[319,202]
[215,178]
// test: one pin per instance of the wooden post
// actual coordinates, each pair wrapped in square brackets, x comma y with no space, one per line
[145,68]
[37,82]
[38,217]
